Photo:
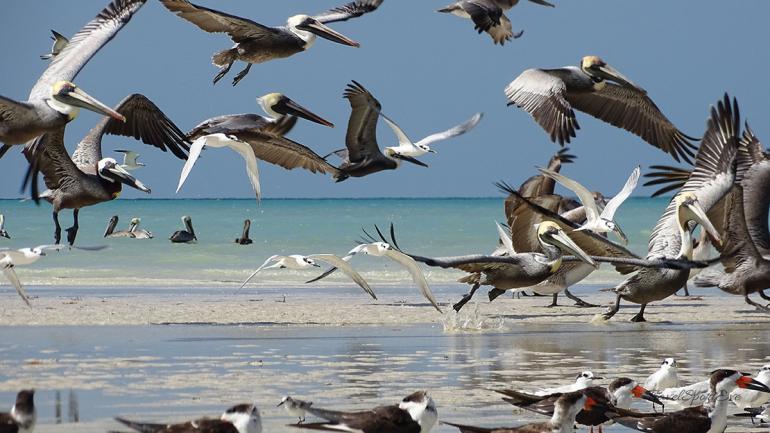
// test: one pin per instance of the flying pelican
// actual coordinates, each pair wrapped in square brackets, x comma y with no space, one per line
[110,232]
[566,408]
[129,160]
[244,239]
[296,261]
[242,418]
[55,100]
[671,238]
[3,232]
[59,42]
[599,221]
[384,249]
[362,155]
[488,16]
[550,95]
[186,236]
[137,232]
[87,178]
[258,137]
[9,259]
[709,418]
[256,43]
[407,148]
[416,413]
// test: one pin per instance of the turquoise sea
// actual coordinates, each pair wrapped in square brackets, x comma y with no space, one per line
[435,227]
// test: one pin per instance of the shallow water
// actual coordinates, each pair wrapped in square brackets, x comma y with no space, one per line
[167,373]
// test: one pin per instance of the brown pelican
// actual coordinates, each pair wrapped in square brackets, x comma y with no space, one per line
[59,42]
[130,160]
[708,418]
[55,100]
[599,221]
[186,236]
[110,232]
[488,16]
[137,232]
[566,408]
[362,155]
[408,148]
[711,179]
[595,88]
[87,178]
[242,418]
[244,239]
[257,137]
[416,413]
[3,232]
[256,43]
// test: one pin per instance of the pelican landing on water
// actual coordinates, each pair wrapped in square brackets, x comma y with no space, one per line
[55,100]
[596,88]
[488,16]
[256,43]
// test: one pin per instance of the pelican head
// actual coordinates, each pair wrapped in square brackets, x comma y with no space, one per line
[109,170]
[3,233]
[548,232]
[136,221]
[599,71]
[67,99]
[307,28]
[689,209]
[278,105]
[391,153]
[111,226]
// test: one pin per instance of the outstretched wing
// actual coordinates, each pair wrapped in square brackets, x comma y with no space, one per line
[350,10]
[348,270]
[614,203]
[417,275]
[452,132]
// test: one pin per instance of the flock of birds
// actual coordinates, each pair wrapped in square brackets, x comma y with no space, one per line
[699,407]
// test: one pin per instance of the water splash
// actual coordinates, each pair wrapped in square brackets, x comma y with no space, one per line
[469,320]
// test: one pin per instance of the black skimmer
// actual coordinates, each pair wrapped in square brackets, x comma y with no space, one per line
[242,418]
[23,415]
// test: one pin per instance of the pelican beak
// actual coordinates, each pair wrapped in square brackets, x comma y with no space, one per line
[121,175]
[618,231]
[79,98]
[409,159]
[610,73]
[319,29]
[640,392]
[746,382]
[699,215]
[561,240]
[279,404]
[288,107]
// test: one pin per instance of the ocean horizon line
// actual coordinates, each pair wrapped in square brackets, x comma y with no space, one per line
[322,198]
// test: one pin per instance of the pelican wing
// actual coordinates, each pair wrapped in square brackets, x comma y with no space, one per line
[738,246]
[10,274]
[452,132]
[85,44]
[361,137]
[47,155]
[540,92]
[673,178]
[409,263]
[267,262]
[756,192]
[400,134]
[144,121]
[348,270]
[585,196]
[350,10]
[286,153]
[213,21]
[710,180]
[11,110]
[635,112]
[612,206]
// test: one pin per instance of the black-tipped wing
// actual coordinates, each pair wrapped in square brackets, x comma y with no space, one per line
[213,21]
[635,112]
[203,425]
[670,178]
[383,419]
[753,169]
[87,42]
[350,10]
[693,419]
[361,137]
[144,121]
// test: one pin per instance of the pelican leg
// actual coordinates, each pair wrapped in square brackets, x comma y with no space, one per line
[686,290]
[241,74]
[554,302]
[579,302]
[72,232]
[639,317]
[494,294]
[763,295]
[57,230]
[222,72]
[612,310]
[763,308]
[458,306]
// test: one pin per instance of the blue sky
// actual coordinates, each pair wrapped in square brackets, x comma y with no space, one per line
[429,71]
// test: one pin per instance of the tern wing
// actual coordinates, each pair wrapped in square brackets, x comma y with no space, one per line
[612,206]
[345,267]
[400,134]
[195,152]
[585,196]
[10,274]
[270,259]
[452,132]
[416,273]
